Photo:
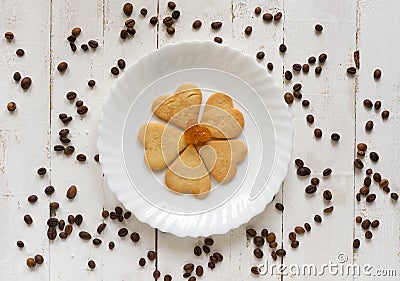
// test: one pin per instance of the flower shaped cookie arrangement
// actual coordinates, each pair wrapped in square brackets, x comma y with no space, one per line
[198,150]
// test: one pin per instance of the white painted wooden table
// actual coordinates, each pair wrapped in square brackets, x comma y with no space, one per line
[28,135]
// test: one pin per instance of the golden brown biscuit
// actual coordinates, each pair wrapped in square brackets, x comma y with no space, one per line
[162,144]
[221,118]
[187,174]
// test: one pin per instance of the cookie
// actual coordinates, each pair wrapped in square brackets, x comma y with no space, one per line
[221,118]
[188,174]
[162,144]
[181,107]
[221,158]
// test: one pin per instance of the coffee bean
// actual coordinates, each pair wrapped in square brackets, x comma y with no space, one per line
[171,5]
[335,137]
[303,171]
[81,157]
[356,244]
[142,261]
[317,218]
[351,70]
[61,224]
[11,106]
[306,68]
[128,9]
[113,215]
[260,55]
[315,181]
[176,14]
[318,27]
[32,198]
[97,241]
[251,232]
[386,189]
[327,195]
[62,66]
[71,192]
[307,226]
[282,48]
[288,75]
[369,125]
[17,76]
[292,236]
[65,140]
[111,245]
[358,219]
[279,207]
[30,262]
[68,229]
[49,190]
[91,83]
[288,97]
[361,153]
[26,83]
[84,235]
[143,12]
[327,172]
[368,234]
[318,70]
[297,87]
[271,237]
[358,197]
[219,257]
[71,38]
[394,196]
[258,241]
[299,230]
[377,74]
[216,25]
[264,232]
[270,66]
[267,17]
[206,249]
[76,31]
[377,177]
[66,120]
[105,214]
[295,244]
[71,96]
[318,133]
[218,40]
[51,233]
[312,60]
[114,70]
[278,16]
[63,235]
[151,255]
[188,268]
[383,183]
[123,34]
[367,103]
[375,224]
[122,232]
[385,114]
[93,44]
[208,241]
[378,105]
[78,219]
[281,253]
[52,222]
[78,103]
[170,30]
[328,210]
[274,255]
[257,10]
[248,30]
[374,156]
[296,67]
[299,163]
[20,52]
[371,197]
[197,24]
[364,190]
[156,274]
[322,57]
[258,253]
[73,47]
[84,47]
[358,164]
[9,35]
[28,219]
[39,259]
[273,245]
[91,264]
[20,244]
[69,150]
[255,270]
[362,146]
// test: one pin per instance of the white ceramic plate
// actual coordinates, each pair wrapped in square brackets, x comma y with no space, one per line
[267,134]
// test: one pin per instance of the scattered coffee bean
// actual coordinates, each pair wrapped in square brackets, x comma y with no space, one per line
[170,30]
[267,17]
[306,68]
[73,47]
[367,103]
[295,244]
[28,219]
[153,20]
[299,163]
[39,259]
[386,189]
[307,226]
[258,253]
[270,66]
[32,198]
[127,215]
[168,21]
[20,52]
[78,103]
[303,171]
[81,157]
[318,27]
[299,230]
[260,55]
[271,237]
[374,223]
[279,207]
[368,234]
[84,47]
[259,241]
[176,14]
[264,232]
[369,125]
[328,210]
[248,30]
[20,244]
[97,241]
[394,196]
[196,24]
[11,106]
[364,191]
[311,189]
[377,74]
[278,16]
[122,232]
[327,172]
[274,255]
[378,105]
[111,245]
[371,197]
[142,262]
[93,44]
[78,219]
[351,70]
[218,256]
[68,229]
[71,192]
[310,118]
[317,218]
[358,219]
[358,197]
[171,5]
[361,153]
[65,140]
[362,146]
[188,268]
[282,48]
[312,60]
[156,274]
[209,241]
[273,245]
[62,66]
[251,232]
[322,57]
[71,38]
[367,181]
[292,236]
[84,235]
[206,249]
[317,133]
[91,264]
[114,70]
[374,156]
[288,97]
[113,215]
[123,34]
[384,183]
[296,67]
[69,150]
[151,255]
[51,233]
[281,253]
[71,96]
[131,31]
[30,262]
[318,70]
[297,87]
[9,35]
[128,9]
[356,243]
[288,75]
[255,270]
[335,137]
[91,83]
[76,31]
[17,76]
[52,222]
[26,83]
[143,12]
[377,177]
[385,114]
[327,195]
[315,181]
[216,25]
[358,164]
[218,40]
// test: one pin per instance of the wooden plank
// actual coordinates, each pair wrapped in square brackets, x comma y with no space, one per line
[331,97]
[24,135]
[376,46]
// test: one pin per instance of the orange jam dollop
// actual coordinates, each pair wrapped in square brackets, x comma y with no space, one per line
[197,134]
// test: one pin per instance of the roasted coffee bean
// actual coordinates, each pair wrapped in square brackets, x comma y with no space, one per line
[322,58]
[123,34]
[71,192]
[28,219]
[127,9]
[358,164]
[358,197]
[20,52]
[151,255]
[171,5]
[369,125]
[216,25]
[168,21]
[315,181]
[394,196]
[68,229]
[278,16]
[306,68]
[122,232]
[78,103]
[361,153]
[65,140]
[385,114]
[335,137]
[135,237]
[271,237]
[297,87]
[131,31]
[62,235]
[142,262]
[39,259]
[176,14]
[351,70]
[386,189]
[63,132]
[270,66]
[76,31]
[318,70]
[307,226]
[288,75]
[208,241]
[318,27]
[258,241]
[170,30]
[61,224]
[260,55]
[73,47]
[303,171]
[114,70]
[368,234]
[97,159]
[97,241]
[81,157]
[121,63]
[84,47]
[374,223]
[279,207]
[251,232]
[156,274]
[71,38]
[299,163]
[143,12]
[101,227]
[197,24]
[78,219]
[69,150]
[9,35]
[273,245]
[41,171]
[62,66]
[377,74]
[218,40]
[299,230]
[305,103]
[312,60]
[127,215]
[118,210]
[17,76]
[30,262]
[281,253]
[32,198]
[258,253]
[91,264]
[248,30]
[255,270]
[67,120]
[371,197]
[295,244]
[71,219]
[105,214]
[218,256]
[374,156]
[282,48]
[364,191]
[327,195]
[20,244]
[383,183]
[71,96]
[93,44]
[317,218]
[274,255]
[264,232]
[188,268]
[292,236]
[206,249]
[377,177]
[199,271]
[296,67]
[111,245]
[288,97]
[84,235]
[113,215]
[328,210]
[362,146]
[268,17]
[317,133]
[358,219]
[51,233]
[52,222]
[356,243]
[367,103]
[327,172]
[211,265]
